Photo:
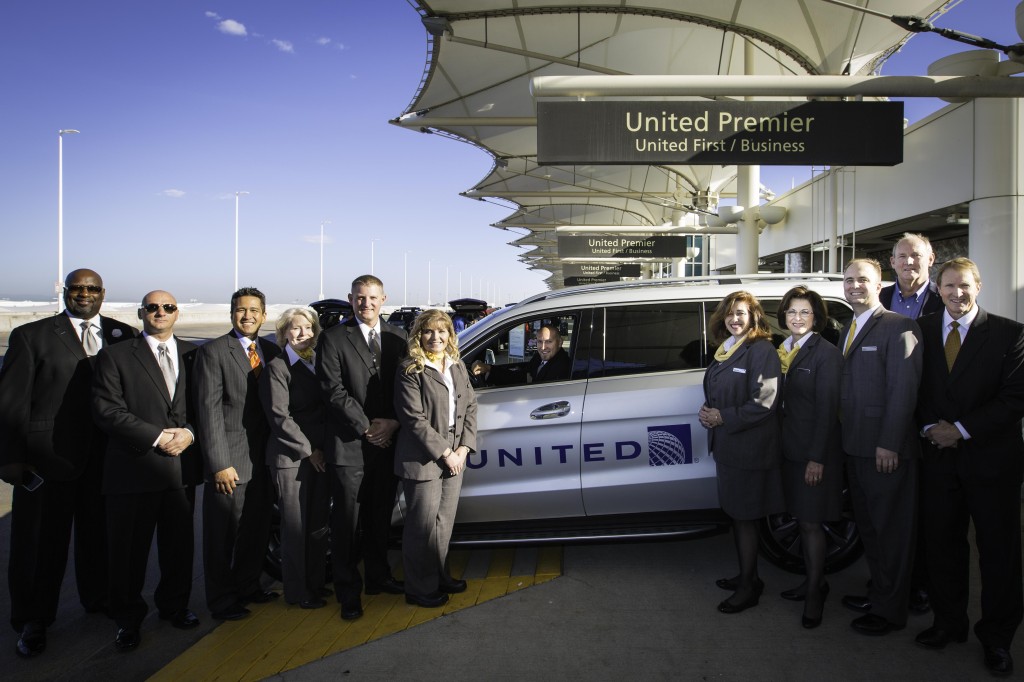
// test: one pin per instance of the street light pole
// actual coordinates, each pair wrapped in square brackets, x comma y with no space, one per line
[60,214]
[237,194]
[405,278]
[373,242]
[322,223]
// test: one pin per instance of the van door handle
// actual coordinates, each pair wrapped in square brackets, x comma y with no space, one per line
[552,410]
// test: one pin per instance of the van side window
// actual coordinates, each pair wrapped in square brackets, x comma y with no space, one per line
[656,337]
[510,357]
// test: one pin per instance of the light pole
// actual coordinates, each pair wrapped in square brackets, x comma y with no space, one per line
[237,194]
[60,214]
[322,223]
[428,283]
[372,243]
[405,278]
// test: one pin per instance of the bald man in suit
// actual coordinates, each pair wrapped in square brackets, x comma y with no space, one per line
[47,435]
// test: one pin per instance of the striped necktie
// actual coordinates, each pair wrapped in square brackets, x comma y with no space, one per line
[254,360]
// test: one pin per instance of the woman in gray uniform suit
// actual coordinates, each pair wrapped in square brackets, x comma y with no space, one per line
[436,409]
[740,390]
[296,409]
[812,473]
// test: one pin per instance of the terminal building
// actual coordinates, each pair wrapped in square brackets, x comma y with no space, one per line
[960,180]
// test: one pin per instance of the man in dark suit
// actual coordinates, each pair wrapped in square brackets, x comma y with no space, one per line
[913,295]
[47,436]
[549,363]
[971,404]
[878,396]
[356,363]
[140,399]
[233,431]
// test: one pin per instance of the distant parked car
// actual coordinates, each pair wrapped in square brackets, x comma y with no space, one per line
[332,311]
[404,317]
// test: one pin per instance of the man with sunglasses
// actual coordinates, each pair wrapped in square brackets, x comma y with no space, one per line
[140,399]
[52,453]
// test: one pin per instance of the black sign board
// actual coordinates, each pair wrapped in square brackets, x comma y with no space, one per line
[615,270]
[709,133]
[621,248]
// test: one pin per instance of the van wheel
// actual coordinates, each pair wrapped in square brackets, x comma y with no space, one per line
[781,545]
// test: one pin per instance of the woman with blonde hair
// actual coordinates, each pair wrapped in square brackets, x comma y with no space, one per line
[436,409]
[296,411]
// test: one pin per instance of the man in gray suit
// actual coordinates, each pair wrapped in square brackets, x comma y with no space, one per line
[878,396]
[356,363]
[234,430]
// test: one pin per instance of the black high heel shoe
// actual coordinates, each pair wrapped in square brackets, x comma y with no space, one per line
[728,584]
[728,607]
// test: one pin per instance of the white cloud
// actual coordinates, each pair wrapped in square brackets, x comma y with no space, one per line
[283,45]
[173,193]
[212,15]
[340,46]
[232,27]
[323,41]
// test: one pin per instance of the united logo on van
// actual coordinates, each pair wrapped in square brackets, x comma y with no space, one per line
[668,445]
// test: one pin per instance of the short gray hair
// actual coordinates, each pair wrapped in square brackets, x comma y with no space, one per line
[912,235]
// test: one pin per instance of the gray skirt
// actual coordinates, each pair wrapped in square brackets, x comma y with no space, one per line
[749,494]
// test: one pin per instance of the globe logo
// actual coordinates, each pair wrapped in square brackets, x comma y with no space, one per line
[667,445]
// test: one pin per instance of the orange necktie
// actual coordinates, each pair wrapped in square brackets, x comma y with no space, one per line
[254,360]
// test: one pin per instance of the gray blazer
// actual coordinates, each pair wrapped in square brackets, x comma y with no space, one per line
[878,394]
[295,408]
[744,389]
[232,425]
[421,407]
[810,404]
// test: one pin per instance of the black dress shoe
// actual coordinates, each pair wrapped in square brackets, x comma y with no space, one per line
[452,586]
[998,660]
[857,602]
[32,641]
[919,602]
[234,612]
[728,584]
[260,597]
[431,601]
[937,638]
[316,603]
[389,586]
[872,624]
[351,609]
[799,593]
[183,619]
[127,638]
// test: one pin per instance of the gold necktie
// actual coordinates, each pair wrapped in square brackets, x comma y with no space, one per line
[254,360]
[849,337]
[952,345]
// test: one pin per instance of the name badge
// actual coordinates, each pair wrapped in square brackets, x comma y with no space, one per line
[739,370]
[804,369]
[869,349]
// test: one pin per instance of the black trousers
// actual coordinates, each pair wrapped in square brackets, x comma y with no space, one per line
[41,525]
[132,520]
[949,502]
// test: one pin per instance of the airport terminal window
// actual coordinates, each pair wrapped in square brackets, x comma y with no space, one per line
[657,337]
[509,353]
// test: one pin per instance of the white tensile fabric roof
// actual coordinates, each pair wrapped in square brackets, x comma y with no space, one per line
[515,40]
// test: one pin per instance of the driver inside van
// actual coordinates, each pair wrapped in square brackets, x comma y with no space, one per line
[549,363]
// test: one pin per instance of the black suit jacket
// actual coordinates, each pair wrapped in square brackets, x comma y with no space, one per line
[356,391]
[233,428]
[984,392]
[45,387]
[558,368]
[295,408]
[131,404]
[932,300]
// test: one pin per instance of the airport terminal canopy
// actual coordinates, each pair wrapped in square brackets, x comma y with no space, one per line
[483,53]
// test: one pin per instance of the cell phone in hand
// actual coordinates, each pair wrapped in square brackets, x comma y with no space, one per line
[31,481]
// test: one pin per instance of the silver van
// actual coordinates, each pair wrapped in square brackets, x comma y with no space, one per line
[615,450]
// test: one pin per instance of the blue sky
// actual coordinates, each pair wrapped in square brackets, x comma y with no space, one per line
[178,110]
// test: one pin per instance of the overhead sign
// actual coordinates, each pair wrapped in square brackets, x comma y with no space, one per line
[621,248]
[615,270]
[725,133]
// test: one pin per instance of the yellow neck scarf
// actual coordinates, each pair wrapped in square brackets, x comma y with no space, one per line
[786,357]
[306,353]
[722,354]
[436,358]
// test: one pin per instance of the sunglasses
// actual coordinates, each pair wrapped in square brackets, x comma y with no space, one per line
[153,307]
[79,288]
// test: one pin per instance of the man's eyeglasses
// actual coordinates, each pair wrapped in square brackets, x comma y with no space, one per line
[153,307]
[80,288]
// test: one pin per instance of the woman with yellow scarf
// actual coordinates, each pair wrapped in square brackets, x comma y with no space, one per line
[740,391]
